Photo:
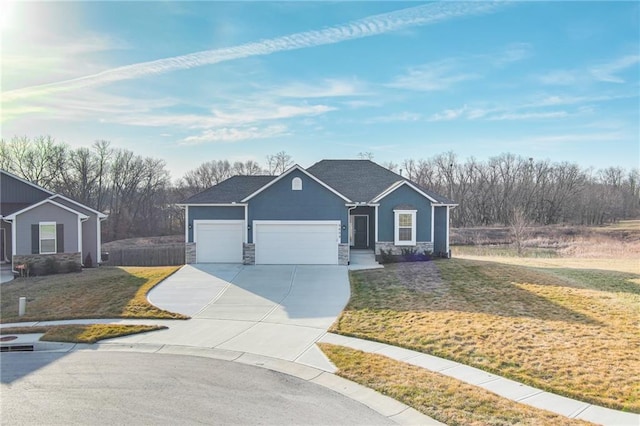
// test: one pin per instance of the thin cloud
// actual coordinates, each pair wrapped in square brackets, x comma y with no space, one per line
[530,115]
[607,72]
[366,27]
[329,88]
[233,134]
[432,77]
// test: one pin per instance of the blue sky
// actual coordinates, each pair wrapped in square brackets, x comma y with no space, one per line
[190,82]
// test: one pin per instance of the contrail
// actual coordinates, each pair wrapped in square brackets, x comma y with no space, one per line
[365,27]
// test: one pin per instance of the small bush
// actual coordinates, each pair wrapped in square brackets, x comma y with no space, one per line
[73,266]
[386,256]
[51,266]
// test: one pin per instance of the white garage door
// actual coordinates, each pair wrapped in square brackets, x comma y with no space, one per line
[219,241]
[298,242]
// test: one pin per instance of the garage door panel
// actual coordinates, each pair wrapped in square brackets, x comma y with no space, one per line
[297,243]
[219,242]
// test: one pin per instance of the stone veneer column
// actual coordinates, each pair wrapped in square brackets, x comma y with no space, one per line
[343,254]
[190,253]
[248,254]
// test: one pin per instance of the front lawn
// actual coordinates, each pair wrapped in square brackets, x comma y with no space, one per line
[570,331]
[83,333]
[445,399]
[94,293]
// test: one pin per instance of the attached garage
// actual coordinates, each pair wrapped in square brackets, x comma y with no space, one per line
[296,242]
[218,241]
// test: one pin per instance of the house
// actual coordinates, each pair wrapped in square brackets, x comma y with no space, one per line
[37,224]
[314,216]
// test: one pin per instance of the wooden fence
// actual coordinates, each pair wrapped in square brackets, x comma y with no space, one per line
[159,255]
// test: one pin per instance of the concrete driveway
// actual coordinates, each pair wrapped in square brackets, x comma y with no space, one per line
[278,311]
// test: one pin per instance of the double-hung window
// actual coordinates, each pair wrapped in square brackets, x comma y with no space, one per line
[48,241]
[405,227]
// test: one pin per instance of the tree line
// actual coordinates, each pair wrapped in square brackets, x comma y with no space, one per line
[140,197]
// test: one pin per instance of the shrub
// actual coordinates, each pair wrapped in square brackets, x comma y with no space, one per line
[51,266]
[73,266]
[386,256]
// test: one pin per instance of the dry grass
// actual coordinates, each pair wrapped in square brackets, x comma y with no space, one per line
[82,333]
[443,398]
[94,293]
[620,240]
[569,331]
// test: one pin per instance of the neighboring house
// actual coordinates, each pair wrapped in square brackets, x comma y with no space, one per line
[314,216]
[36,224]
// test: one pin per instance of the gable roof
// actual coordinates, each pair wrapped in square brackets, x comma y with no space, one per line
[232,190]
[47,201]
[364,180]
[296,167]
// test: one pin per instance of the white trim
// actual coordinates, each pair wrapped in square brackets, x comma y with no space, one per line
[186,224]
[100,214]
[55,238]
[197,222]
[433,222]
[48,200]
[336,223]
[377,220]
[14,247]
[27,182]
[297,222]
[396,227]
[296,184]
[79,241]
[397,185]
[99,240]
[294,167]
[246,224]
[354,228]
[447,233]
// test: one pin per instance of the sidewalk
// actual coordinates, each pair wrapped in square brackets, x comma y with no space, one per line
[499,385]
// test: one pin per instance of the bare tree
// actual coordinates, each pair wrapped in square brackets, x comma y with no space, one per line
[248,168]
[278,163]
[365,155]
[519,226]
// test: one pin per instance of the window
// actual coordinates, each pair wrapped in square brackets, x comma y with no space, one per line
[48,242]
[405,227]
[296,184]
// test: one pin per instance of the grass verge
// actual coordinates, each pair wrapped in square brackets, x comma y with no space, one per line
[569,331]
[91,333]
[95,293]
[443,398]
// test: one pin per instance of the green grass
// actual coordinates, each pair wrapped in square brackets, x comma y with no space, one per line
[82,333]
[569,331]
[95,293]
[445,399]
[502,250]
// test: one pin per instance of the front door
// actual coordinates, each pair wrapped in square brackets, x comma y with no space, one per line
[361,232]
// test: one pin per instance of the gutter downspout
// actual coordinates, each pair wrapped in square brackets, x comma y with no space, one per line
[349,232]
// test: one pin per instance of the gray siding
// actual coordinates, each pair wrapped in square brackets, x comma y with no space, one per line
[14,191]
[440,232]
[404,195]
[89,231]
[46,213]
[213,213]
[369,211]
[314,202]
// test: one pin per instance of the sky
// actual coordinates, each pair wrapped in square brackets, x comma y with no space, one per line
[189,82]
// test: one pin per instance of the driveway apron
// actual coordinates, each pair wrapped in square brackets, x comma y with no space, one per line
[279,311]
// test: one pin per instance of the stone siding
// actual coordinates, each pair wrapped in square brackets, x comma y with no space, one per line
[37,262]
[420,247]
[248,254]
[190,253]
[343,254]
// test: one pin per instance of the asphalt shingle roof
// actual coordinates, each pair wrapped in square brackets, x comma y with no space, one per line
[231,190]
[358,180]
[361,180]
